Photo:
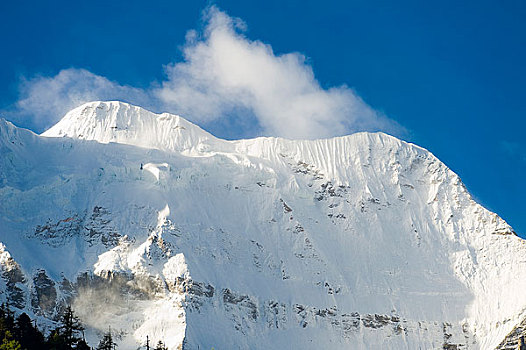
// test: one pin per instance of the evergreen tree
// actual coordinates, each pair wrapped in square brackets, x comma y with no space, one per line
[82,345]
[21,334]
[7,315]
[107,342]
[160,346]
[67,335]
[28,335]
[7,339]
[2,311]
[3,328]
[56,341]
[71,328]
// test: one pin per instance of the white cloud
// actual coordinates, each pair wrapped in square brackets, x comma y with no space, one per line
[224,77]
[44,100]
[224,71]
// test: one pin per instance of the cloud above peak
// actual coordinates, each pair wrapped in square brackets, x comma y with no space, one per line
[224,77]
[44,100]
[224,71]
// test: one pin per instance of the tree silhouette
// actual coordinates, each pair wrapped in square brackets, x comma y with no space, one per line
[68,335]
[82,345]
[56,341]
[107,342]
[160,346]
[29,336]
[71,327]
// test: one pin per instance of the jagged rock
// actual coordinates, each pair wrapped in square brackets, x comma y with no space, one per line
[44,294]
[12,274]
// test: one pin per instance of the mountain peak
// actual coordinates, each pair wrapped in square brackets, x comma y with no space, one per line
[120,122]
[360,241]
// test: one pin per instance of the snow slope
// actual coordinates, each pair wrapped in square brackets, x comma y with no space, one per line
[151,225]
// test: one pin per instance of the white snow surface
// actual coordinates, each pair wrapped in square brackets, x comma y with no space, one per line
[356,242]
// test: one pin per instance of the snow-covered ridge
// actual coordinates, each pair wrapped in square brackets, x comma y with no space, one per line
[120,122]
[363,241]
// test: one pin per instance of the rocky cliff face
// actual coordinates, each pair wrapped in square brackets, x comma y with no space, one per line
[149,224]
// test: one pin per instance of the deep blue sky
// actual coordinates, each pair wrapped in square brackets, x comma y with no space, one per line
[452,73]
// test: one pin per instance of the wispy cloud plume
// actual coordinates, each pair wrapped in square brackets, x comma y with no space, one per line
[224,76]
[224,71]
[44,100]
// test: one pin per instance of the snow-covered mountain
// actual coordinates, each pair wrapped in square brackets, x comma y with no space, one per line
[150,224]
